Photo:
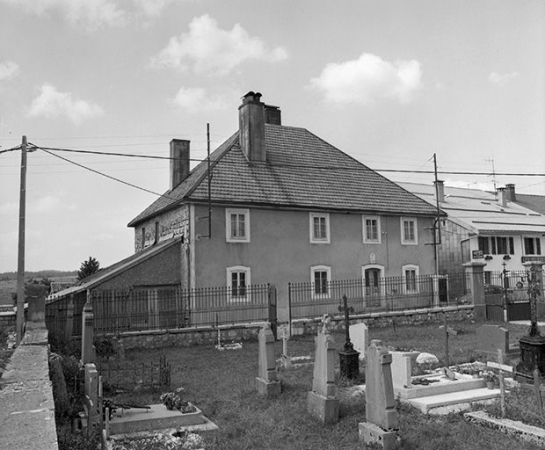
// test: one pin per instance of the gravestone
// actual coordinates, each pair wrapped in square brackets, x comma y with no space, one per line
[359,335]
[36,294]
[401,369]
[382,421]
[491,338]
[322,402]
[91,395]
[87,327]
[266,381]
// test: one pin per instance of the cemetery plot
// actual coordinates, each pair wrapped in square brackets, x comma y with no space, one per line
[119,375]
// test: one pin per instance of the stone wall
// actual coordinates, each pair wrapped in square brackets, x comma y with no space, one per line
[27,414]
[189,336]
[380,320]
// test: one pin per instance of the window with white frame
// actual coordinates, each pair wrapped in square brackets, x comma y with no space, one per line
[237,225]
[319,228]
[410,278]
[409,234]
[320,276]
[238,281]
[371,229]
[532,246]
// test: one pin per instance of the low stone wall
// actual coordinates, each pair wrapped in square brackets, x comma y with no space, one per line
[27,415]
[246,332]
[386,319]
[189,336]
[7,320]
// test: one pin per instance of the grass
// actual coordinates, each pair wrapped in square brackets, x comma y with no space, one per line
[222,385]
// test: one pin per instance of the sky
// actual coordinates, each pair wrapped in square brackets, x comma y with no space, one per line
[391,83]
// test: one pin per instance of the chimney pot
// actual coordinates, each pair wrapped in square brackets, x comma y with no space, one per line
[272,115]
[502,200]
[510,190]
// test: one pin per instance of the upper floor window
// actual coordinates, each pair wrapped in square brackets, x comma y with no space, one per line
[532,246]
[238,280]
[320,277]
[371,229]
[409,235]
[410,278]
[319,228]
[495,245]
[237,225]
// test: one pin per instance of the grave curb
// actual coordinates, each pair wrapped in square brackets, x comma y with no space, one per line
[510,427]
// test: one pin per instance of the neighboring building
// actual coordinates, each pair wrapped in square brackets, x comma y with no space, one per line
[484,227]
[282,205]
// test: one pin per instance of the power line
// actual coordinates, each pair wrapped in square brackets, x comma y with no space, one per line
[107,176]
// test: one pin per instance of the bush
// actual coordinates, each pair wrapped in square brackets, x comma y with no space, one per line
[104,347]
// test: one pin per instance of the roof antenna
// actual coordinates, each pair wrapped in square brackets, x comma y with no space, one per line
[493,175]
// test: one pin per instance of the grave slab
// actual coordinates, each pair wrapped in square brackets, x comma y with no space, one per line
[158,417]
[429,403]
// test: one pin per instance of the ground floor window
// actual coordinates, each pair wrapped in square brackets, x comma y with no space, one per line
[238,280]
[410,276]
[320,276]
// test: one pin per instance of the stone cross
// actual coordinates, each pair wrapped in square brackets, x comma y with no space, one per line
[348,357]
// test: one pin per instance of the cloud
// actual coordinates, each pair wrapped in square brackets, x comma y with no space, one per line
[51,103]
[197,100]
[367,79]
[209,49]
[501,79]
[89,14]
[9,208]
[44,204]
[8,69]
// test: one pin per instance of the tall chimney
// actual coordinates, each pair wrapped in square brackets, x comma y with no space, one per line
[440,190]
[252,127]
[510,190]
[179,161]
[502,200]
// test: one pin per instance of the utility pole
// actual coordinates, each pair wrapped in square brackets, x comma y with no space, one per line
[437,227]
[21,249]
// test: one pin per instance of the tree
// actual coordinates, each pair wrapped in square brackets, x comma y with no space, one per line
[88,267]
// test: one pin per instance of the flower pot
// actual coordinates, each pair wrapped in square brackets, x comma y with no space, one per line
[490,384]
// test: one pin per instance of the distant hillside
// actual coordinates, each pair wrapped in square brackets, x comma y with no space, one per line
[8,281]
[4,276]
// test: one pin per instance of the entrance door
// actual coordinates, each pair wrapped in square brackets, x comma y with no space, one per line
[372,282]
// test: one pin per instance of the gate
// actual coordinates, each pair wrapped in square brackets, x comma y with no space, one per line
[506,297]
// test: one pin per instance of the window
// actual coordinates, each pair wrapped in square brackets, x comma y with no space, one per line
[371,230]
[495,245]
[319,228]
[410,278]
[320,277]
[238,281]
[408,231]
[532,246]
[237,225]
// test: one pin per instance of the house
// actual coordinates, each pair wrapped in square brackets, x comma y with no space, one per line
[487,227]
[277,204]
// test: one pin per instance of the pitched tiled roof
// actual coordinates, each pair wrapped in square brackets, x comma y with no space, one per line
[302,171]
[115,269]
[480,212]
[532,201]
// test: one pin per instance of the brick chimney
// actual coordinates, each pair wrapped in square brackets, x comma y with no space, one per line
[440,190]
[179,162]
[252,127]
[510,192]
